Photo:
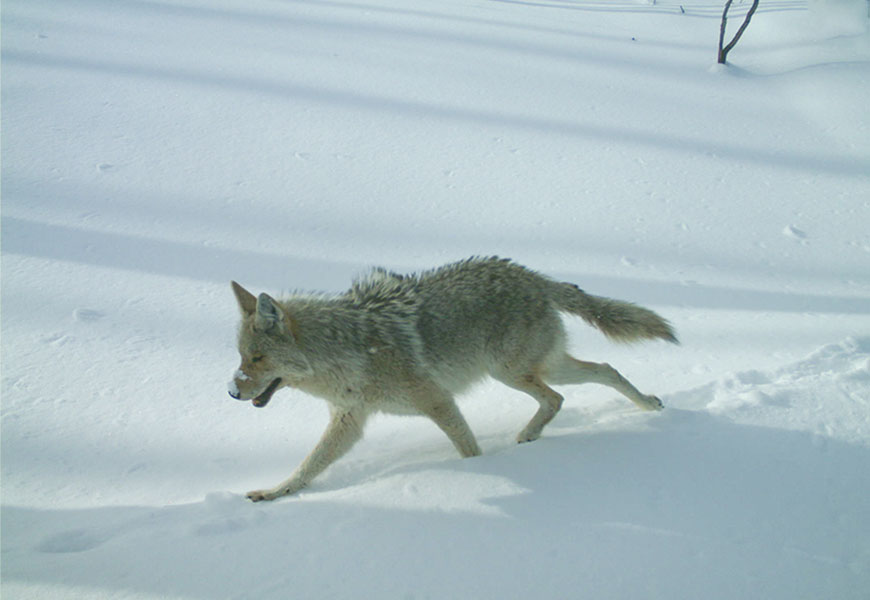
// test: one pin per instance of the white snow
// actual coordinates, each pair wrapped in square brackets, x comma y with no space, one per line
[153,150]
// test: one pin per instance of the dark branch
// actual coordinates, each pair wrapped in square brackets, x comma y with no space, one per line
[723,51]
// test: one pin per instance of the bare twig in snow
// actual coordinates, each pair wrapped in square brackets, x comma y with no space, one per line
[723,51]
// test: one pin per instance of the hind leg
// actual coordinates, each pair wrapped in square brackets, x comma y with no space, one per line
[549,401]
[569,370]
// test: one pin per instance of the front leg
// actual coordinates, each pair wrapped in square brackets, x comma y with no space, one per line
[344,430]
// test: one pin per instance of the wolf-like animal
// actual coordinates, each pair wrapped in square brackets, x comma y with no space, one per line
[407,344]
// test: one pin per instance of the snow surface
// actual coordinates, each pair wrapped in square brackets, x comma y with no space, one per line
[153,150]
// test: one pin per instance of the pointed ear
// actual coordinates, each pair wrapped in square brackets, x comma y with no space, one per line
[247,301]
[269,314]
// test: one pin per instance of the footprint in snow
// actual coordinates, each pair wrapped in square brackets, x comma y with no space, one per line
[77,540]
[87,315]
[795,233]
[228,514]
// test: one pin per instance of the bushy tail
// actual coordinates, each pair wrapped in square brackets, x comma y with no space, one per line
[620,321]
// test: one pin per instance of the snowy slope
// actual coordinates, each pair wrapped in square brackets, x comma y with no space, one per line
[152,150]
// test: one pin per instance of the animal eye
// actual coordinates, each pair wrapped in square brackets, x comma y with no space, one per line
[256,359]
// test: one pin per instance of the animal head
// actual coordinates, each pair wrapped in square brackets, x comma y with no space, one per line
[268,345]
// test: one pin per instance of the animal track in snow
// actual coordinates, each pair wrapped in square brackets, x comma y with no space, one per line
[76,540]
[795,233]
[87,315]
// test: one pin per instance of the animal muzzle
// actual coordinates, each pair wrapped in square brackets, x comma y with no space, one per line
[259,401]
[233,390]
[233,387]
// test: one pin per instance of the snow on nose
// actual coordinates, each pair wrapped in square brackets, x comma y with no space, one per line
[232,386]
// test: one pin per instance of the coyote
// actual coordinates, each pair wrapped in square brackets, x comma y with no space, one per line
[407,344]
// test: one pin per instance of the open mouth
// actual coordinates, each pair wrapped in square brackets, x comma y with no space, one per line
[263,399]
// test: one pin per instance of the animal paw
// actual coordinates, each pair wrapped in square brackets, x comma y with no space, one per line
[283,490]
[260,495]
[527,436]
[653,403]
